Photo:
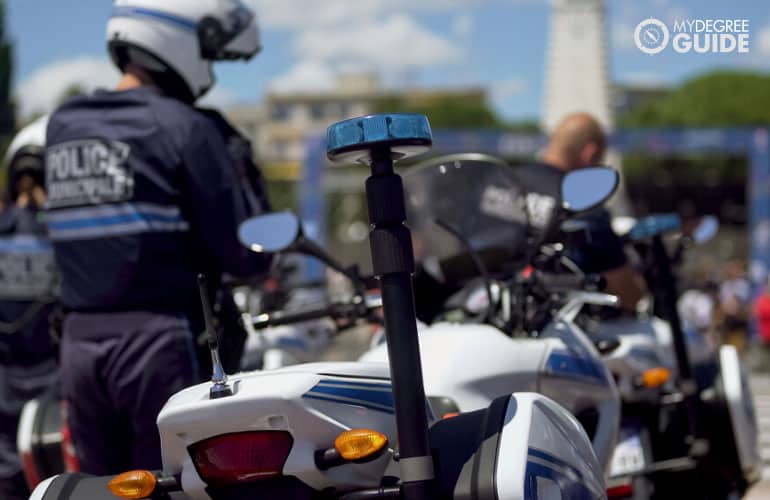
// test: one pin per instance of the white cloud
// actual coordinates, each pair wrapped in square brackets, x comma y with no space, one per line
[305,76]
[463,26]
[42,90]
[395,45]
[763,40]
[622,35]
[503,90]
[301,14]
[219,97]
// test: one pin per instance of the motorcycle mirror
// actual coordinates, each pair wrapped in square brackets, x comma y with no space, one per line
[270,233]
[706,229]
[587,188]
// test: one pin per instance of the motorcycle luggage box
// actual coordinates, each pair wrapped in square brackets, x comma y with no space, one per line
[522,446]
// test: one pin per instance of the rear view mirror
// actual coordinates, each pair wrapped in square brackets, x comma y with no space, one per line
[706,229]
[273,232]
[587,188]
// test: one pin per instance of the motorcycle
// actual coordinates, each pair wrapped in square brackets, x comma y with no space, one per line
[275,347]
[492,337]
[687,407]
[354,430]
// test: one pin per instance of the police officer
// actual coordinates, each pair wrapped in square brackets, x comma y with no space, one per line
[28,287]
[578,141]
[145,192]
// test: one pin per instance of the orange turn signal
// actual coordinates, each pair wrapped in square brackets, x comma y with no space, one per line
[655,377]
[357,444]
[133,485]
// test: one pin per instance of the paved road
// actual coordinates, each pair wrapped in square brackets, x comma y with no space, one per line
[760,385]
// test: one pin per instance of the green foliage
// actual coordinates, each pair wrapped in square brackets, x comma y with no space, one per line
[73,90]
[7,109]
[720,98]
[282,195]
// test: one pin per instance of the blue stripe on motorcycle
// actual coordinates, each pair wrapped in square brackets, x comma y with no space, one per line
[364,404]
[545,456]
[381,398]
[375,396]
[564,364]
[356,383]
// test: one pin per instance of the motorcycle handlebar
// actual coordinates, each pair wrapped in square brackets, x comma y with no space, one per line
[340,310]
[570,282]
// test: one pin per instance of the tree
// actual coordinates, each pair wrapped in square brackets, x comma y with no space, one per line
[716,99]
[73,90]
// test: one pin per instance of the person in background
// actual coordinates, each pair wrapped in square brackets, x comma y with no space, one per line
[578,141]
[735,304]
[761,312]
[28,291]
[146,191]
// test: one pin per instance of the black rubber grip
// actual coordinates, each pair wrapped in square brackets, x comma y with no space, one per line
[279,318]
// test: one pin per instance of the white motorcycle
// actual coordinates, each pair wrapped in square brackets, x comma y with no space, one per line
[471,217]
[687,407]
[354,430]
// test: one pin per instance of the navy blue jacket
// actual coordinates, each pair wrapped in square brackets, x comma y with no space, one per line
[28,287]
[145,192]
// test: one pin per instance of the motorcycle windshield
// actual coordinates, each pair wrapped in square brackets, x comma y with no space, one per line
[454,204]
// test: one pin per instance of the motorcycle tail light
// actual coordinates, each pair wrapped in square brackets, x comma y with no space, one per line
[620,491]
[241,457]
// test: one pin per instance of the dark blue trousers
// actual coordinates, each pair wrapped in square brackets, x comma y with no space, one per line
[118,370]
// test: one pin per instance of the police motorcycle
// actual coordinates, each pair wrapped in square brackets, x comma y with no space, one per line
[687,407]
[354,430]
[471,216]
[288,344]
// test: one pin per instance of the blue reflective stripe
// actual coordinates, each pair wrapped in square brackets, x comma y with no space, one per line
[119,219]
[155,14]
[565,364]
[380,385]
[363,404]
[369,395]
[544,455]
[111,221]
[24,244]
[379,397]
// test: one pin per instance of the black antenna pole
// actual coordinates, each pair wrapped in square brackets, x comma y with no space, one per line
[218,377]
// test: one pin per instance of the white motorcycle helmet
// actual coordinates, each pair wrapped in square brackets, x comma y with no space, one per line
[26,155]
[176,41]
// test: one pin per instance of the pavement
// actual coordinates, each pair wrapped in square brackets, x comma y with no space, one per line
[760,386]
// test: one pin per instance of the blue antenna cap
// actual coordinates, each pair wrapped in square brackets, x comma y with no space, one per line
[405,134]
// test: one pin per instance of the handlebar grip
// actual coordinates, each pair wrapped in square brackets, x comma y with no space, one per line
[279,318]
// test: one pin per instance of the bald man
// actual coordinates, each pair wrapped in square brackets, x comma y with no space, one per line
[578,142]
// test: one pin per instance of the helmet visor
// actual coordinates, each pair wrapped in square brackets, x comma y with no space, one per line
[241,37]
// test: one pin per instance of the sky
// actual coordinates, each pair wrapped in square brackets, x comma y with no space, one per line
[499,44]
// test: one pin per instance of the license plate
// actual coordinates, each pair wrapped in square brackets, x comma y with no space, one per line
[628,457]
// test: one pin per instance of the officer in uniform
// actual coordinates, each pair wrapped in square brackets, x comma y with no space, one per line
[28,287]
[145,192]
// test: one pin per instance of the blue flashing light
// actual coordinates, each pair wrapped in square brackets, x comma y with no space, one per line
[392,129]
